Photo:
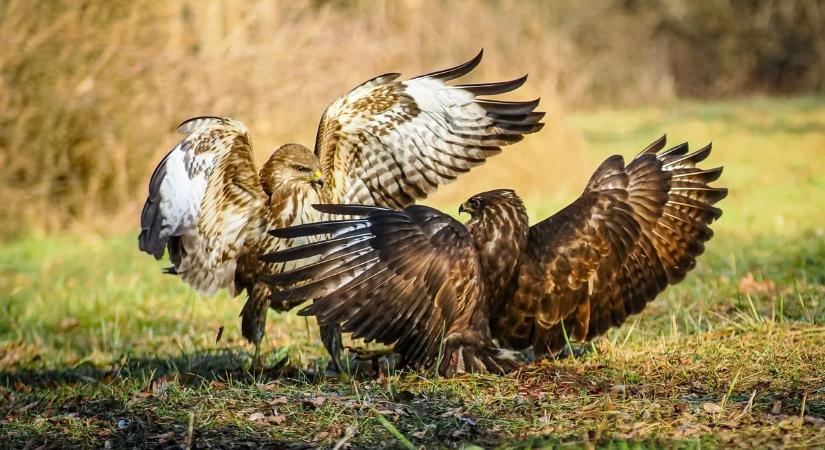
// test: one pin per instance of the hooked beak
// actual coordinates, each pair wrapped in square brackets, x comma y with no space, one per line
[464,209]
[317,178]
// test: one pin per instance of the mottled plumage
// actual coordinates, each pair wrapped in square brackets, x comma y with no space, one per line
[410,277]
[386,142]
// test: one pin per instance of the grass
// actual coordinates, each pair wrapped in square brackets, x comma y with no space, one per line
[98,349]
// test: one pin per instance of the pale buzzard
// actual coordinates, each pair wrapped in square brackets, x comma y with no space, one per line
[386,143]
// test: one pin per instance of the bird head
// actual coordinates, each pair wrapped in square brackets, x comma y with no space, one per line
[472,206]
[476,205]
[291,165]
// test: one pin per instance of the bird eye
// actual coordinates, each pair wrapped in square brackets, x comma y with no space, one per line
[474,203]
[302,168]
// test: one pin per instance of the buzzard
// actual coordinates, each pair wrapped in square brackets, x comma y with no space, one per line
[386,143]
[420,280]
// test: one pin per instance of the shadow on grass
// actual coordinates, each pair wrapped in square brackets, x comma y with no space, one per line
[194,369]
[191,368]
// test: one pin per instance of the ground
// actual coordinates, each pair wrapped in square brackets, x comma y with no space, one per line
[98,349]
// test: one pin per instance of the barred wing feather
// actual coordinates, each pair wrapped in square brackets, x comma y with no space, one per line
[202,196]
[390,142]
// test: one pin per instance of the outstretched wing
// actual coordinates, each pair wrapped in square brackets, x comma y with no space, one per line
[392,142]
[201,197]
[634,231]
[397,277]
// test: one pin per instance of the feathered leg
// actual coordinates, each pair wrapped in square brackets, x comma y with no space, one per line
[331,337]
[253,324]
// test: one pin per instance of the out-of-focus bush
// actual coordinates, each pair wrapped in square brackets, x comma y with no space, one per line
[732,47]
[90,90]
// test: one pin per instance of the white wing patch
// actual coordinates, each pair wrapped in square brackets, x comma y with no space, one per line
[198,212]
[402,140]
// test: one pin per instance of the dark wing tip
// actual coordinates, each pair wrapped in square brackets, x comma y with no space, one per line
[655,146]
[188,125]
[494,88]
[147,245]
[283,233]
[457,71]
[508,108]
[347,210]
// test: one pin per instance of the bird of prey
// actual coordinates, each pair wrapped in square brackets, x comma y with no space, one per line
[386,143]
[418,279]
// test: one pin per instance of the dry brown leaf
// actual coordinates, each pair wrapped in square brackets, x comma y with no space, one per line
[315,402]
[279,400]
[320,436]
[749,285]
[712,408]
[276,419]
[256,417]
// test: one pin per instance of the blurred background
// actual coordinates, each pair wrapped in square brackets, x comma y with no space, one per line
[91,91]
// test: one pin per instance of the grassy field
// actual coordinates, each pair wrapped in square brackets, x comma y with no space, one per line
[98,349]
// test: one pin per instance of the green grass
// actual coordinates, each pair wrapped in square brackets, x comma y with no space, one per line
[96,345]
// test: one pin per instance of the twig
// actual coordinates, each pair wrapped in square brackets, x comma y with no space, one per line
[190,430]
[749,406]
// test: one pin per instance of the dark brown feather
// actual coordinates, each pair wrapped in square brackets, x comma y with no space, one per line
[634,231]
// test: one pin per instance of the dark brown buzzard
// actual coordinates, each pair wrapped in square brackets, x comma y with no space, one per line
[386,143]
[420,280]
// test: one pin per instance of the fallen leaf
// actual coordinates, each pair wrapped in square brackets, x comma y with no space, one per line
[256,417]
[280,400]
[419,434]
[315,401]
[749,285]
[712,408]
[276,419]
[320,436]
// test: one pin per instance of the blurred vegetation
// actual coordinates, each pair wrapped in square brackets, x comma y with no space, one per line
[90,91]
